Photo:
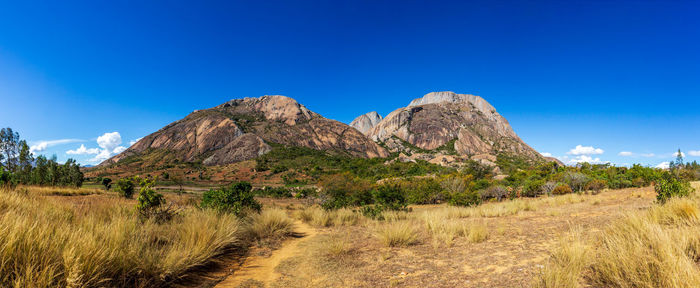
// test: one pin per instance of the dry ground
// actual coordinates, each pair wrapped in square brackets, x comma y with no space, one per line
[515,251]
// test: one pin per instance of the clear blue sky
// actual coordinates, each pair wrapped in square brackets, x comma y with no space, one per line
[614,75]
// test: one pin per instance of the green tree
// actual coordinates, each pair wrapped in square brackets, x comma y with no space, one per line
[126,186]
[9,147]
[236,198]
[107,183]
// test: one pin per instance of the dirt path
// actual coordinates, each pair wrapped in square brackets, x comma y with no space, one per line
[262,269]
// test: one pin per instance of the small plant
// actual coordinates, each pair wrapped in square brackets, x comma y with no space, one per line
[237,198]
[562,189]
[398,234]
[670,186]
[125,187]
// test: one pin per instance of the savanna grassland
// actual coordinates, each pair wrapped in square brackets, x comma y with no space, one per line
[542,242]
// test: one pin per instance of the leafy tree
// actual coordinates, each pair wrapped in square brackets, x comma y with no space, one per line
[9,147]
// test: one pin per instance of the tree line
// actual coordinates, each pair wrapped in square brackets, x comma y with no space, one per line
[18,165]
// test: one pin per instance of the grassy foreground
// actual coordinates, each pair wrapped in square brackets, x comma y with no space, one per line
[50,243]
[656,247]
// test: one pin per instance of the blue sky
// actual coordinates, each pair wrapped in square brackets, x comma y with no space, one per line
[615,76]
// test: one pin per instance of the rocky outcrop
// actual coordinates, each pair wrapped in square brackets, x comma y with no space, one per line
[243,129]
[467,123]
[364,123]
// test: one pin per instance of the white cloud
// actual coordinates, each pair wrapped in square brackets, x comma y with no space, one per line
[109,141]
[585,150]
[648,155]
[43,145]
[694,152]
[546,154]
[102,156]
[675,154]
[586,159]
[83,151]
[119,149]
[110,144]
[663,165]
[625,153]
[132,142]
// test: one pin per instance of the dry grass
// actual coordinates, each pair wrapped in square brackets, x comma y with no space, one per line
[270,224]
[657,247]
[318,217]
[59,191]
[398,234]
[48,243]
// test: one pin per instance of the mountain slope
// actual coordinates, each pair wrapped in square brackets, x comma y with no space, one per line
[243,129]
[465,126]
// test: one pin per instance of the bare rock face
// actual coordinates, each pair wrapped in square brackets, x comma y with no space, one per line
[466,122]
[242,129]
[364,123]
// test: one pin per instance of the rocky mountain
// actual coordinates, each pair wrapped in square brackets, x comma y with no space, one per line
[444,127]
[364,123]
[243,129]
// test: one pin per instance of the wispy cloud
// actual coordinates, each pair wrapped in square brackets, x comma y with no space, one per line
[694,153]
[546,154]
[43,145]
[626,154]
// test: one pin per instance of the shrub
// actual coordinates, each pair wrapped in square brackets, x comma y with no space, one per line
[548,187]
[150,205]
[423,191]
[596,185]
[389,196]
[107,183]
[465,198]
[236,198]
[343,190]
[562,189]
[577,181]
[670,186]
[125,187]
[533,188]
[494,192]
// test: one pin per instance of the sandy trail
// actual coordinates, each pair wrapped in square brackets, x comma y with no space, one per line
[262,269]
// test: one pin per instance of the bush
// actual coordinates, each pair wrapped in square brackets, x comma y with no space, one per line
[150,204]
[236,198]
[107,183]
[125,187]
[343,190]
[670,186]
[533,188]
[562,189]
[272,224]
[494,192]
[577,181]
[423,191]
[7,179]
[390,197]
[596,185]
[465,198]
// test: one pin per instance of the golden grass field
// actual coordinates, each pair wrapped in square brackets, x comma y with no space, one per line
[56,237]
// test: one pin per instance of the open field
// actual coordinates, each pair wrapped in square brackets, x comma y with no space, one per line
[59,237]
[505,244]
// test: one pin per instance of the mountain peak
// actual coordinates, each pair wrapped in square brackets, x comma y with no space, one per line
[365,122]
